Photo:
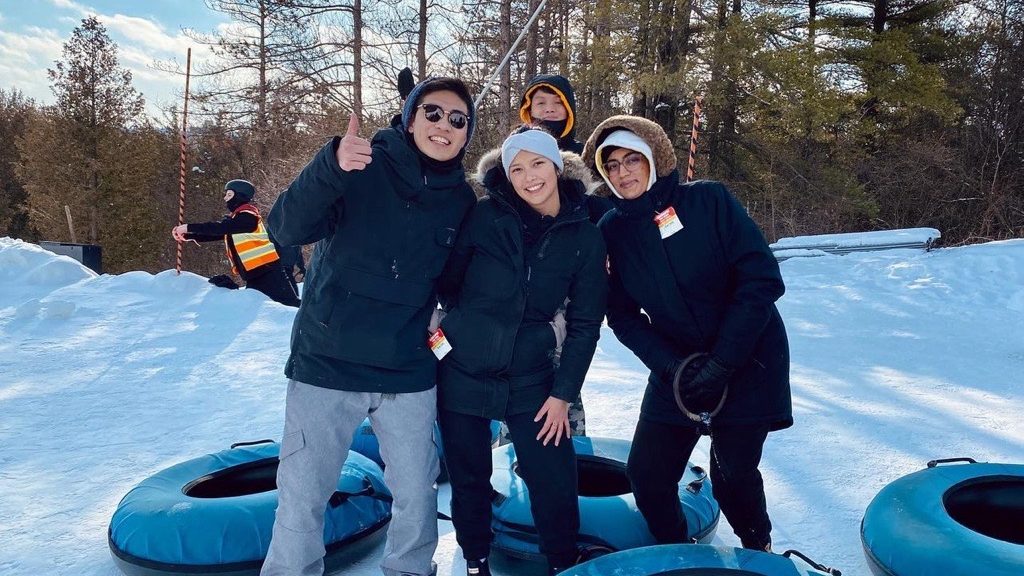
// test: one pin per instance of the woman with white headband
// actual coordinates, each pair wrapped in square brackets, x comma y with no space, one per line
[526,247]
[692,291]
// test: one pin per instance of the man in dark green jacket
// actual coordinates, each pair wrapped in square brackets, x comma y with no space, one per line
[384,217]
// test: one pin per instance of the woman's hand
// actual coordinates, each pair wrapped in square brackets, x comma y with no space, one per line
[179,231]
[556,412]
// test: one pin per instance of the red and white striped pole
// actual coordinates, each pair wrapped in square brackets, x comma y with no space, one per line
[693,138]
[181,170]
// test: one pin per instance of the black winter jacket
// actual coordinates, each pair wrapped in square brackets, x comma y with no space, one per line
[501,295]
[382,237]
[710,287]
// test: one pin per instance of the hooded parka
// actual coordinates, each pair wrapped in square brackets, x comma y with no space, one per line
[710,287]
[501,292]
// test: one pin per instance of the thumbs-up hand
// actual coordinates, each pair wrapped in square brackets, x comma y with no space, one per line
[353,151]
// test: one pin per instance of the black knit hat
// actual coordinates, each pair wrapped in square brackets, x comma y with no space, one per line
[436,85]
[243,189]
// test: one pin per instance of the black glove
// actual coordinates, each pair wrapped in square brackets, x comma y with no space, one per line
[702,383]
[224,281]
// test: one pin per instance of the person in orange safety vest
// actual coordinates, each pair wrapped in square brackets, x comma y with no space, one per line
[249,249]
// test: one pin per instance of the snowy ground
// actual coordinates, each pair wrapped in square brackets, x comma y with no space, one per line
[898,357]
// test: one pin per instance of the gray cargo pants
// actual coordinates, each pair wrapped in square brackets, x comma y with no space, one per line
[318,429]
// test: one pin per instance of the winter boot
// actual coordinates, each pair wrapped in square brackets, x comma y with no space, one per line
[478,567]
[761,544]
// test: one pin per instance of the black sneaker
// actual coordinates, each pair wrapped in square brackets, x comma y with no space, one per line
[588,552]
[478,567]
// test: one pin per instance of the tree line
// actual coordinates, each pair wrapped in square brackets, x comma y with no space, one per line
[822,116]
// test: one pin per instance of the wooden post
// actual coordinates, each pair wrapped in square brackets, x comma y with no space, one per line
[71,226]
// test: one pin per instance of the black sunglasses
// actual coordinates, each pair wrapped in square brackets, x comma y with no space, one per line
[434,113]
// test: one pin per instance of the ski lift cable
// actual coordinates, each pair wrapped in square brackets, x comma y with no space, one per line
[515,45]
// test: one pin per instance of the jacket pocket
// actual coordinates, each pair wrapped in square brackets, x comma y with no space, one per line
[534,347]
[476,342]
[374,320]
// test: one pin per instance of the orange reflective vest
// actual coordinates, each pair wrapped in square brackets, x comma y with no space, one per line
[254,248]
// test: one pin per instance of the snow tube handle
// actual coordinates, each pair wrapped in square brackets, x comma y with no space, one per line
[252,443]
[815,565]
[703,418]
[934,463]
[695,485]
[339,498]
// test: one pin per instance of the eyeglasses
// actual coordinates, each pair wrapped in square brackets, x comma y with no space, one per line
[433,113]
[631,162]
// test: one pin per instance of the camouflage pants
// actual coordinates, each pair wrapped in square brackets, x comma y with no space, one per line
[577,422]
[578,417]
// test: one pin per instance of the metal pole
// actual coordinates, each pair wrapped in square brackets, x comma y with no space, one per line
[515,44]
[181,166]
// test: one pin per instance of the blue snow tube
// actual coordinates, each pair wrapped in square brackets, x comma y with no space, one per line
[950,520]
[214,514]
[699,560]
[366,443]
[609,517]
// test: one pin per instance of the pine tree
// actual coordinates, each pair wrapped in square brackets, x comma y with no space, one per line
[16,112]
[83,153]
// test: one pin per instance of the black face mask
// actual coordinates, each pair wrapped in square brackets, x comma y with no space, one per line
[555,126]
[235,202]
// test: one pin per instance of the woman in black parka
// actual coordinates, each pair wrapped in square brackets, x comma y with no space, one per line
[550,101]
[692,291]
[526,246]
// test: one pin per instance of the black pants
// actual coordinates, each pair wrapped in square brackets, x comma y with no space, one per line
[658,460]
[274,283]
[549,472]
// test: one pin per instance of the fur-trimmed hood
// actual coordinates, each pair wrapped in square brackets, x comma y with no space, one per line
[664,154]
[574,169]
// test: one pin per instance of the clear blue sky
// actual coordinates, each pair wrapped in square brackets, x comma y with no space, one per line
[32,34]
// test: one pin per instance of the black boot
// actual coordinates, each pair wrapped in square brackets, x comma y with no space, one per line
[761,543]
[478,567]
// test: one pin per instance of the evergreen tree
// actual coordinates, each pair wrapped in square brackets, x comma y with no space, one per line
[16,113]
[84,154]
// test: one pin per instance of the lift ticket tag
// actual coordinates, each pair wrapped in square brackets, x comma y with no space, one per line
[668,223]
[439,344]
